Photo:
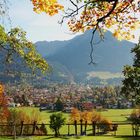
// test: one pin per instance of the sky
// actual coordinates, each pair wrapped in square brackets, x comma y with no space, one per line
[40,27]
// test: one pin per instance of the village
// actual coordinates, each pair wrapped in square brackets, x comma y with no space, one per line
[65,97]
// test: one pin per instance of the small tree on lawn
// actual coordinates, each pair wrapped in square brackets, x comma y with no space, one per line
[56,122]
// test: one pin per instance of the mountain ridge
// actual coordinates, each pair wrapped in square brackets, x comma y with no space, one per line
[110,55]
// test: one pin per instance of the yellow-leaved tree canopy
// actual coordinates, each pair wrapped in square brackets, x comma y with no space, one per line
[15,45]
[17,50]
[122,16]
[96,14]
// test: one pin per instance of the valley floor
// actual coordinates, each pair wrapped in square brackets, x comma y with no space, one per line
[116,115]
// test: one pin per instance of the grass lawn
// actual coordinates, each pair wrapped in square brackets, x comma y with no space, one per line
[115,115]
[73,138]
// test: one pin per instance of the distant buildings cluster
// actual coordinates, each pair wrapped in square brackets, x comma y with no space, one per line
[68,96]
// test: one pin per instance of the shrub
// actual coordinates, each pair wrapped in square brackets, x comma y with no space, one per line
[102,123]
[18,116]
[135,118]
[56,122]
[105,125]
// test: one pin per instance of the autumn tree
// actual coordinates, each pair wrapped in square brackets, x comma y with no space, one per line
[135,119]
[75,115]
[19,116]
[98,15]
[16,51]
[88,117]
[4,112]
[14,44]
[131,82]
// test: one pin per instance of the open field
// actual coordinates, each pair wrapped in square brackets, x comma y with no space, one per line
[116,115]
[73,138]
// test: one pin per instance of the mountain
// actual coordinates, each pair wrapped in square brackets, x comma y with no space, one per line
[69,60]
[52,47]
[110,56]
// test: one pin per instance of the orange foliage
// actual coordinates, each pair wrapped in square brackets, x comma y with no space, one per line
[4,112]
[89,117]
[50,7]
[96,117]
[120,15]
[75,115]
[86,116]
[122,19]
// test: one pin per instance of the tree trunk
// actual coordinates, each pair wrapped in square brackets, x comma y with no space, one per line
[56,133]
[85,127]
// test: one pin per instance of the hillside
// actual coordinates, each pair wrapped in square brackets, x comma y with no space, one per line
[110,56]
[69,60]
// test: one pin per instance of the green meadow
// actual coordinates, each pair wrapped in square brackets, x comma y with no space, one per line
[74,138]
[115,115]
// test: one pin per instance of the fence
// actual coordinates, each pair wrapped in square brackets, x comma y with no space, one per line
[119,129]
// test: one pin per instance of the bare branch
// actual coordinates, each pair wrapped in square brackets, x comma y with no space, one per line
[74,12]
[109,13]
[92,47]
